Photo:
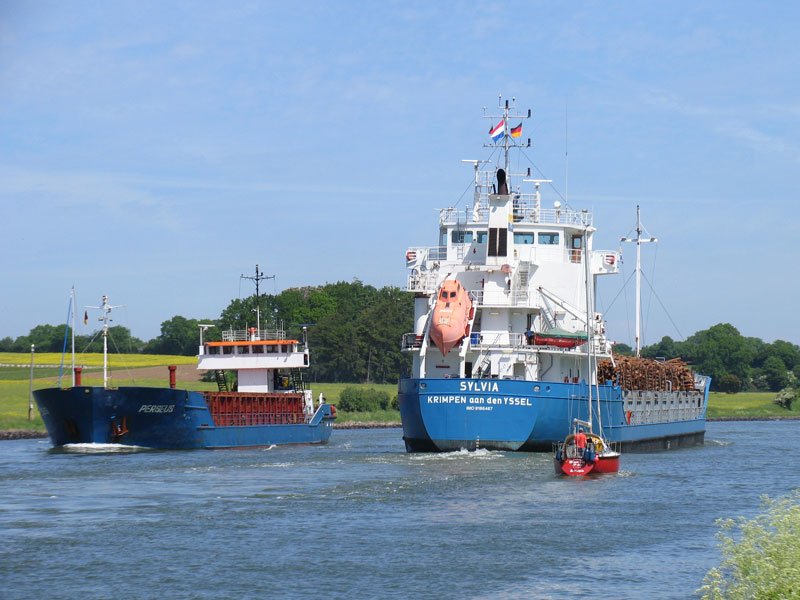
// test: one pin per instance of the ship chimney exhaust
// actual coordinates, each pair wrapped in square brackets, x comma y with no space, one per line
[502,185]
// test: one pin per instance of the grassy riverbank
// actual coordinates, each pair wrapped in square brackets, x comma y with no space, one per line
[150,370]
[748,405]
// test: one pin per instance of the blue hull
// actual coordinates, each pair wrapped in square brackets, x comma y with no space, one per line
[441,415]
[160,418]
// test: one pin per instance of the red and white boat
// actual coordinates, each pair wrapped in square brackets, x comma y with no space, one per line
[583,450]
[595,456]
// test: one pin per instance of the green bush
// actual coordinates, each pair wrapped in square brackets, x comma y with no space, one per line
[760,555]
[730,384]
[353,399]
[785,398]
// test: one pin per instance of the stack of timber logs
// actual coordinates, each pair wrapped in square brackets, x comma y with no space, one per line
[633,373]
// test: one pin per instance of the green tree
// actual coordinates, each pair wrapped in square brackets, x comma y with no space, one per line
[383,323]
[775,374]
[120,341]
[719,351]
[47,338]
[179,336]
[623,349]
[666,348]
[730,384]
[788,353]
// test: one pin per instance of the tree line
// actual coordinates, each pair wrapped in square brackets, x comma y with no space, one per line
[734,362]
[354,332]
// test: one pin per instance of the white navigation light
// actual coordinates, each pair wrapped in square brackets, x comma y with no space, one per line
[556,204]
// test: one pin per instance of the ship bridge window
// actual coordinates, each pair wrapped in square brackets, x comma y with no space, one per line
[498,241]
[242,350]
[258,349]
[271,349]
[548,238]
[575,252]
[461,237]
[481,236]
[523,238]
[227,349]
[284,348]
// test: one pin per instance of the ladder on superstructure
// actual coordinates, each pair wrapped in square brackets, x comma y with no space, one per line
[222,382]
[297,380]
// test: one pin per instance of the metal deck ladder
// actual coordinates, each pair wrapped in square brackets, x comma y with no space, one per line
[222,382]
[297,380]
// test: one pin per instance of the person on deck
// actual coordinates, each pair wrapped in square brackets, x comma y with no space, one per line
[580,441]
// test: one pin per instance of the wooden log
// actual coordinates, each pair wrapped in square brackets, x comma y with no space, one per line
[633,373]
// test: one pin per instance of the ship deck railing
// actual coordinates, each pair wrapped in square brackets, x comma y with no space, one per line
[252,334]
[481,342]
[525,209]
[428,283]
[500,298]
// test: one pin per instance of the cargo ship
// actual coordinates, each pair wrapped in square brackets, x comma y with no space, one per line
[269,405]
[502,363]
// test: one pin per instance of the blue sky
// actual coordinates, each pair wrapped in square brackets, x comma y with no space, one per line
[156,151]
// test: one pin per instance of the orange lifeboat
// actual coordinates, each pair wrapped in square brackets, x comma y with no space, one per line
[450,316]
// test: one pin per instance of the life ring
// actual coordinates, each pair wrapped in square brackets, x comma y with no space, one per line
[628,415]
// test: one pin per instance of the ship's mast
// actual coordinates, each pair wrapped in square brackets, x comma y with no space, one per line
[72,316]
[589,311]
[105,318]
[639,240]
[258,278]
[507,142]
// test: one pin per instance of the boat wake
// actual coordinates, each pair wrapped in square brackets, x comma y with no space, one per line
[719,443]
[462,454]
[100,448]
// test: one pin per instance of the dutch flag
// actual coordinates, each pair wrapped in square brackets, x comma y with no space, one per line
[498,131]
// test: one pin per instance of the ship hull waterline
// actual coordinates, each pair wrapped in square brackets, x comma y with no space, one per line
[160,418]
[444,415]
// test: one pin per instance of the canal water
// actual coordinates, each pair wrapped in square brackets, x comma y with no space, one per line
[360,518]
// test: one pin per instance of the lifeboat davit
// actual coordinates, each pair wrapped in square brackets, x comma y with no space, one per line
[451,316]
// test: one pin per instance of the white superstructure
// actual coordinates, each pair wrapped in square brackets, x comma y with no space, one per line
[521,258]
[264,360]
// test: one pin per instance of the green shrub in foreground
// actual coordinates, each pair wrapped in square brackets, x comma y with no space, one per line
[357,399]
[760,556]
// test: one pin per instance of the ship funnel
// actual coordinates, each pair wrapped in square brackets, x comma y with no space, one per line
[502,184]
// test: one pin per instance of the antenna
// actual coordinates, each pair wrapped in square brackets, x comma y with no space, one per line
[502,131]
[566,151]
[258,278]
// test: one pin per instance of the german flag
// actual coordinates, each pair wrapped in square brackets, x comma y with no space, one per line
[516,131]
